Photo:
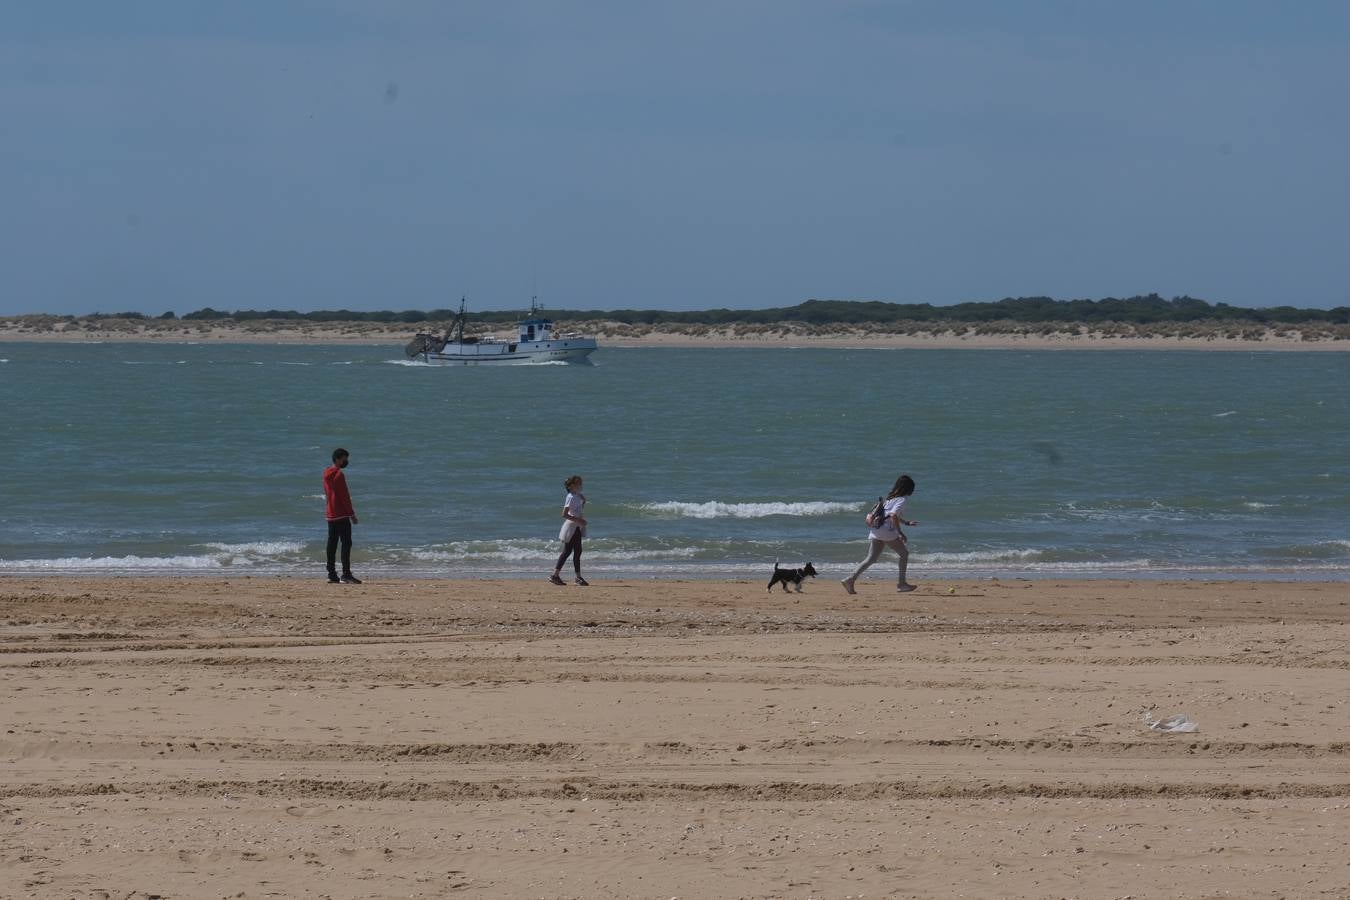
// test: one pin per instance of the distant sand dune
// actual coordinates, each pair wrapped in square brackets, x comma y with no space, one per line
[992,335]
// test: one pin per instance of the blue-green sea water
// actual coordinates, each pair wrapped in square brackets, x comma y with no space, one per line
[711,463]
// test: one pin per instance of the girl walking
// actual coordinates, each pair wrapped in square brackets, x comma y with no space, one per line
[888,534]
[572,531]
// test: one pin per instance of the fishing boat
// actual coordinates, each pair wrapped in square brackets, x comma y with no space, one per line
[535,342]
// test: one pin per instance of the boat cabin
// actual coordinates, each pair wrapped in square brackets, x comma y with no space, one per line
[536,329]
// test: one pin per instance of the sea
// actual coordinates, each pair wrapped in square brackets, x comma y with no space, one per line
[206,459]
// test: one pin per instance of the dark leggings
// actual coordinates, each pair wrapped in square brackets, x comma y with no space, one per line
[573,549]
[340,530]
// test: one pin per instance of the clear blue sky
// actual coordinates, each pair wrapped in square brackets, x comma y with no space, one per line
[304,154]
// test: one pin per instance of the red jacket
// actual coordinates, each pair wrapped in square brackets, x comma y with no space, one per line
[335,492]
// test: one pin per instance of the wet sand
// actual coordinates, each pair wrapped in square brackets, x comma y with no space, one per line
[251,737]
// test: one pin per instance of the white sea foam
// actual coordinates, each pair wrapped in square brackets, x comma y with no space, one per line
[980,556]
[1155,512]
[1224,415]
[518,550]
[1131,566]
[1022,560]
[259,548]
[496,551]
[266,554]
[112,564]
[1252,504]
[716,509]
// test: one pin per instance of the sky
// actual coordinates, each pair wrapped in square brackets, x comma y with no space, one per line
[170,155]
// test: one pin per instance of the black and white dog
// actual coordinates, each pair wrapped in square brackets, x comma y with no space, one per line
[794,577]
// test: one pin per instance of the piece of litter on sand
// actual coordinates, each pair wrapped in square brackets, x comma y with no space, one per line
[1178,724]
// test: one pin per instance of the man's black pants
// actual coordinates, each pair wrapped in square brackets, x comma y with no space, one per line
[340,530]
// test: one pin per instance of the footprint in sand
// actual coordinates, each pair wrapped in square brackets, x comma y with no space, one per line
[306,810]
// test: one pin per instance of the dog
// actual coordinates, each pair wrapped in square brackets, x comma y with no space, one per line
[795,577]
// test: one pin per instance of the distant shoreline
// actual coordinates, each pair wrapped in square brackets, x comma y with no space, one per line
[1004,336]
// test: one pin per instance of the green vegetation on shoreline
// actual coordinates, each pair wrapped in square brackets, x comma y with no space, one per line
[1140,310]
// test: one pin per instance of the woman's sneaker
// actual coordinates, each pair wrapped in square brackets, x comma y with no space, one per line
[583,582]
[554,579]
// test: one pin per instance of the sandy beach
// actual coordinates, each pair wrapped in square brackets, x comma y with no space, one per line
[254,737]
[1004,336]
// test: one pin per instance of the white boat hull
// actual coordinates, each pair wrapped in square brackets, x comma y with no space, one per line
[524,353]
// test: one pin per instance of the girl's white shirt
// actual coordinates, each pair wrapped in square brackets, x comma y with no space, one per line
[894,507]
[573,506]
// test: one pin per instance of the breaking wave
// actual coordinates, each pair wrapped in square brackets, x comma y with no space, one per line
[716,509]
[263,556]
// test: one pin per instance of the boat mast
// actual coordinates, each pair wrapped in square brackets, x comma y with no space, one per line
[457,326]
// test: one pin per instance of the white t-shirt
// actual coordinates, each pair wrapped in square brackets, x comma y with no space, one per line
[573,504]
[894,507]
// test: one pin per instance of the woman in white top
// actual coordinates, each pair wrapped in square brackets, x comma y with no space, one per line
[888,534]
[572,531]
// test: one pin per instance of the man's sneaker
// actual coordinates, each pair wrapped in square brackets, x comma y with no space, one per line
[333,579]
[905,588]
[554,579]
[848,585]
[583,582]
[349,578]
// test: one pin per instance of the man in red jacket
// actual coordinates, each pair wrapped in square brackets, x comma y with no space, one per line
[341,517]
